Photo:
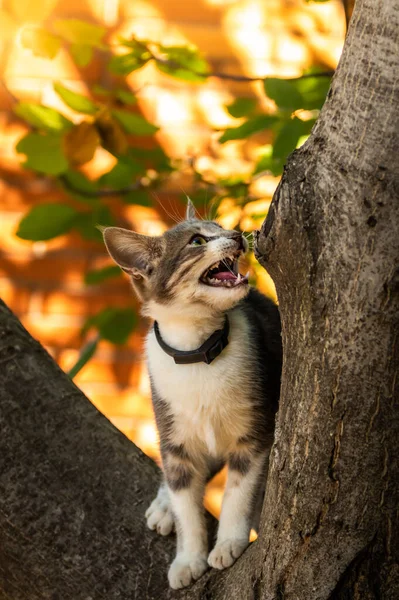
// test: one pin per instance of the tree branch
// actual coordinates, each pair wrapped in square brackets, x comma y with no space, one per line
[137,185]
[73,494]
[229,76]
[73,489]
[247,78]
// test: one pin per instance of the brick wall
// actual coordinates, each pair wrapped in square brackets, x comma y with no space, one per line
[43,282]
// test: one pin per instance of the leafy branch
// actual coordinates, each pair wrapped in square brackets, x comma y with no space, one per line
[57,147]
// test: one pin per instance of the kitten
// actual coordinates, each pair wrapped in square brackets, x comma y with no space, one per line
[220,410]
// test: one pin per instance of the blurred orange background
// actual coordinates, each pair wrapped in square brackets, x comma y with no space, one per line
[42,282]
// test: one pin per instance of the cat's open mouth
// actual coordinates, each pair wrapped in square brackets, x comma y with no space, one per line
[224,273]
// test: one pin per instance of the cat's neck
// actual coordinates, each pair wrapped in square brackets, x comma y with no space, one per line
[186,329]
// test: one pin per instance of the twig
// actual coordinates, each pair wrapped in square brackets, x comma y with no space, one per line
[138,185]
[229,76]
[245,78]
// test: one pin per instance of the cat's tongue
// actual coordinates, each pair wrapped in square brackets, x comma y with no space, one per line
[225,276]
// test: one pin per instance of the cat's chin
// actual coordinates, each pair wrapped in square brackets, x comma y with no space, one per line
[223,297]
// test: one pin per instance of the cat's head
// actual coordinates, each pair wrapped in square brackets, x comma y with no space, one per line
[194,263]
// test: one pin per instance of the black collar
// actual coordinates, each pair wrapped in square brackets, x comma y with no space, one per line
[206,353]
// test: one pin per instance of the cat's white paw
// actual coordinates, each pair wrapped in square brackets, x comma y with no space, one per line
[225,553]
[160,517]
[185,569]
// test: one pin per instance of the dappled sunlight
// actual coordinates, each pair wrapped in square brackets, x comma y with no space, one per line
[212,103]
[266,35]
[26,75]
[43,281]
[145,220]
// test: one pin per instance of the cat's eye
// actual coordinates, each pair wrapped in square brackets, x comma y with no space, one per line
[197,240]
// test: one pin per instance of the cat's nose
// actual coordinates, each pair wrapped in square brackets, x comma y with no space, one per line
[239,238]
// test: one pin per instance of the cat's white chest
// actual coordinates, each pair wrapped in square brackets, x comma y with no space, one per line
[208,402]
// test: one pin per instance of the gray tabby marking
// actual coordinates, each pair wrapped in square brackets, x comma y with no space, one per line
[206,415]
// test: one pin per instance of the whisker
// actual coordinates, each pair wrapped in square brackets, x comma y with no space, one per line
[249,236]
[209,205]
[195,208]
[178,218]
[212,214]
[166,211]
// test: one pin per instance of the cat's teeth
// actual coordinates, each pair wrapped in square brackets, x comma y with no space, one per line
[247,275]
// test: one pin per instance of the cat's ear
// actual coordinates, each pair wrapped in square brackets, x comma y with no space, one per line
[190,210]
[133,252]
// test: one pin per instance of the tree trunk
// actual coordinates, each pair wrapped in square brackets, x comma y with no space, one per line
[73,490]
[331,244]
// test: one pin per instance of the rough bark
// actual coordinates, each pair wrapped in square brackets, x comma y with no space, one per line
[73,490]
[331,243]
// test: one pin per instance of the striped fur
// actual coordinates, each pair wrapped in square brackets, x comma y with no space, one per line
[207,415]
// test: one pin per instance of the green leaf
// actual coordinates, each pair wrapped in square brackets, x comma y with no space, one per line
[242,107]
[186,57]
[87,223]
[284,92]
[134,123]
[75,101]
[122,174]
[237,187]
[124,64]
[180,73]
[268,163]
[288,137]
[41,42]
[303,92]
[75,182]
[100,275]
[47,221]
[204,199]
[44,153]
[153,158]
[126,96]
[248,128]
[113,324]
[81,54]
[141,197]
[80,32]
[86,353]
[137,47]
[183,62]
[42,117]
[314,91]
[100,90]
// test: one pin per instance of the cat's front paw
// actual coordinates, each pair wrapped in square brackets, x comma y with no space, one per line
[225,553]
[185,569]
[160,517]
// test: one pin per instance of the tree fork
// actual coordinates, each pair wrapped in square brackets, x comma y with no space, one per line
[73,490]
